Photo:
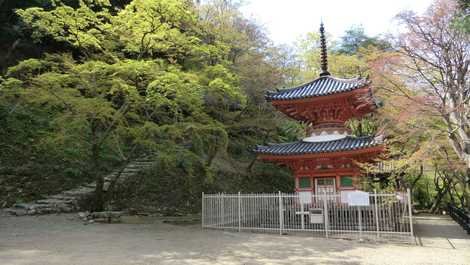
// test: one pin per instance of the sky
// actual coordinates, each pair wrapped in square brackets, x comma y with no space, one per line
[287,20]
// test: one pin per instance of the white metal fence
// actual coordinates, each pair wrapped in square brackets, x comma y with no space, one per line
[386,217]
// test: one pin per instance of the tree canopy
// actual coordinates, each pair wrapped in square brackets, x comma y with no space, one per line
[166,78]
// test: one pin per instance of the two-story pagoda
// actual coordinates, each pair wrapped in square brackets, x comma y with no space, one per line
[325,161]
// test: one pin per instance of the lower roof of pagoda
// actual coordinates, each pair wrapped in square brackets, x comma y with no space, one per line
[348,143]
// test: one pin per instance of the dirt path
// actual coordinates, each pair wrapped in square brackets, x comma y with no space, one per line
[440,232]
[62,239]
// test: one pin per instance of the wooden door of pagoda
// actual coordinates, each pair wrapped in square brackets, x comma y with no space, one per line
[325,185]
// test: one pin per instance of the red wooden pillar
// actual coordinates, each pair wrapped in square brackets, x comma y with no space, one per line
[313,184]
[337,182]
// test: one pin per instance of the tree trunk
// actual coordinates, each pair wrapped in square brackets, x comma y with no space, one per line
[441,191]
[99,194]
[437,201]
[110,190]
[98,204]
[415,181]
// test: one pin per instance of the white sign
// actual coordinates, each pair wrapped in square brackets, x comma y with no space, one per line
[345,196]
[316,216]
[305,197]
[355,198]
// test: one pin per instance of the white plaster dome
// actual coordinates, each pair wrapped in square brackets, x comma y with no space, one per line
[325,136]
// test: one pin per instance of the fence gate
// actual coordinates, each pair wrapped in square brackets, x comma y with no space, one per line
[382,217]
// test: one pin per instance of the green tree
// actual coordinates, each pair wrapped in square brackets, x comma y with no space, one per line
[435,60]
[356,38]
[462,18]
[139,78]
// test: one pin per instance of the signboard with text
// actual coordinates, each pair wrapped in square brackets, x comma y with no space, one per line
[355,198]
[305,197]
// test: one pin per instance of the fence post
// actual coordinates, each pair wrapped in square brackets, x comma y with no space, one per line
[203,210]
[359,212]
[325,213]
[410,212]
[217,211]
[222,210]
[281,218]
[376,201]
[239,212]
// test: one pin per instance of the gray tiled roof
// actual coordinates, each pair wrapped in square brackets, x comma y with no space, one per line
[301,147]
[325,85]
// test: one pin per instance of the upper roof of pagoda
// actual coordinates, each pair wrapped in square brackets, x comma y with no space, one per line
[322,86]
[327,99]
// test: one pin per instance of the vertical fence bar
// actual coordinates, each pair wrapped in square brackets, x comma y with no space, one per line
[217,210]
[239,212]
[376,201]
[217,202]
[203,210]
[221,211]
[280,214]
[325,213]
[408,193]
[210,211]
[222,207]
[359,212]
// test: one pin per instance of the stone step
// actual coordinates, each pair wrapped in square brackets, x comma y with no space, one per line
[129,170]
[67,201]
[32,206]
[79,192]
[16,211]
[134,169]
[35,209]
[124,172]
[144,160]
[62,197]
[56,201]
[140,165]
[23,205]
[90,185]
[123,176]
[128,174]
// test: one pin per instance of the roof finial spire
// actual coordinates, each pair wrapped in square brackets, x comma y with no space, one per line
[324,56]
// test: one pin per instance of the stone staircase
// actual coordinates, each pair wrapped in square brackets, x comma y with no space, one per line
[69,200]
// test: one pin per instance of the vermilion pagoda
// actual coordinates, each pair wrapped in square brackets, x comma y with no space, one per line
[326,161]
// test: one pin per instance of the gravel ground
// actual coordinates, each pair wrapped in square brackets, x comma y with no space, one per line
[63,239]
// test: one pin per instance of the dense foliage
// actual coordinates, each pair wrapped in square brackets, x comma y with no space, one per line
[164,78]
[88,85]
